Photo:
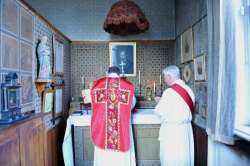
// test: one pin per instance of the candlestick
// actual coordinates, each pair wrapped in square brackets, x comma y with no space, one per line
[83,81]
[139,77]
[154,87]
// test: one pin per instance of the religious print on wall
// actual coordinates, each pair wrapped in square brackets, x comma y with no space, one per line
[200,68]
[186,74]
[10,58]
[58,56]
[48,98]
[123,55]
[26,57]
[10,16]
[204,112]
[187,46]
[26,90]
[59,101]
[26,25]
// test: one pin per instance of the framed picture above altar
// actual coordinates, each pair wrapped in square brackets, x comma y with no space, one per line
[123,55]
[58,56]
[59,101]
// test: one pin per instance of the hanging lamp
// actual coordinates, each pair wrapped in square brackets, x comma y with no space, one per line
[125,18]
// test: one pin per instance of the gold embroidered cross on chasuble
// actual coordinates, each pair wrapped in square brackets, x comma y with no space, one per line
[111,108]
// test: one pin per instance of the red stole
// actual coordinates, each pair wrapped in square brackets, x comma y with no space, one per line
[111,107]
[184,94]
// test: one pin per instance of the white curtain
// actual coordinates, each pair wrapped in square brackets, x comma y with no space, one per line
[221,71]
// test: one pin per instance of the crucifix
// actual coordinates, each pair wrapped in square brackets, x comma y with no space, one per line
[122,65]
[113,97]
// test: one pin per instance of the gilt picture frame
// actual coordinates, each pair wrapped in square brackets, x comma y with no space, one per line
[59,101]
[200,68]
[48,100]
[58,46]
[187,46]
[123,54]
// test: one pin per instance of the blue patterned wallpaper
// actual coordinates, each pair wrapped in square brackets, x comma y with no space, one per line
[83,19]
[187,13]
[193,13]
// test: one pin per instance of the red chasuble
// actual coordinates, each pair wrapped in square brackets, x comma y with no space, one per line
[111,107]
[184,94]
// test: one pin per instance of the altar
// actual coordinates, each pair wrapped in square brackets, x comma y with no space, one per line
[80,150]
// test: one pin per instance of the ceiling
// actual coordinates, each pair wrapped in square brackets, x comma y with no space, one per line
[82,20]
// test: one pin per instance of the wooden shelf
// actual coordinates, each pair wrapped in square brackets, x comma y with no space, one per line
[40,85]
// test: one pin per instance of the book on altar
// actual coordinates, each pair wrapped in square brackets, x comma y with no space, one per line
[86,95]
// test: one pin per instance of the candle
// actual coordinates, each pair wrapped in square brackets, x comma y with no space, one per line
[160,79]
[83,80]
[139,77]
[106,74]
[154,87]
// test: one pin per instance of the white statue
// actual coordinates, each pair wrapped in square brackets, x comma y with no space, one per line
[44,59]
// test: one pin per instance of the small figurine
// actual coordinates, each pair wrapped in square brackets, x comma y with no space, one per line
[44,59]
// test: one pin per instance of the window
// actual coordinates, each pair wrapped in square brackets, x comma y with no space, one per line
[242,18]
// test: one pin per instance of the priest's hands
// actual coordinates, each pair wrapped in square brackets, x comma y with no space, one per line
[157,99]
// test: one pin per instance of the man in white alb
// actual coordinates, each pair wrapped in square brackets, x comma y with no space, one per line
[174,108]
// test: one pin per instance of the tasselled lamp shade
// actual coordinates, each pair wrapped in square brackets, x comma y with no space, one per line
[125,18]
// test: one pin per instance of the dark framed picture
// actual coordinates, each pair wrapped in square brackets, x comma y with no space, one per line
[10,16]
[200,68]
[26,25]
[187,46]
[204,112]
[10,53]
[13,98]
[59,101]
[27,99]
[48,98]
[196,108]
[123,55]
[26,57]
[58,56]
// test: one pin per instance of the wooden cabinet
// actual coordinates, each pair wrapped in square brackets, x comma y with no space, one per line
[147,146]
[200,146]
[24,143]
[54,141]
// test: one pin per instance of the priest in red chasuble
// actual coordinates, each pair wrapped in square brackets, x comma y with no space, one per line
[111,130]
[175,108]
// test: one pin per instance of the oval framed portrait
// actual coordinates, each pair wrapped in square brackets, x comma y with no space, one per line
[186,74]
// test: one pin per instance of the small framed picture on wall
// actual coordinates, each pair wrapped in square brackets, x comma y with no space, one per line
[59,101]
[204,112]
[58,56]
[48,98]
[200,68]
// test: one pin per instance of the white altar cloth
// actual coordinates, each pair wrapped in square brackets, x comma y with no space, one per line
[141,116]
